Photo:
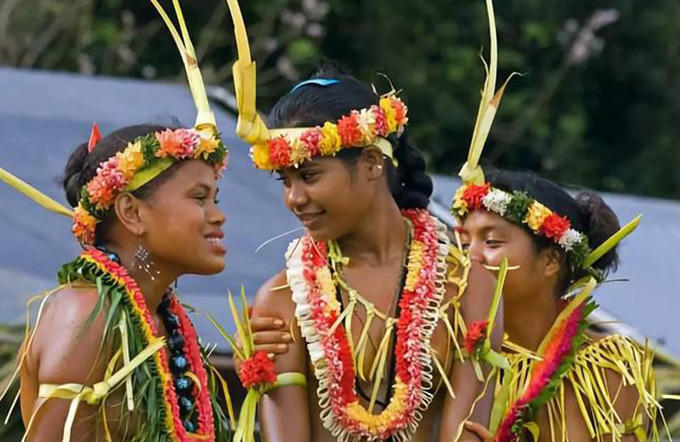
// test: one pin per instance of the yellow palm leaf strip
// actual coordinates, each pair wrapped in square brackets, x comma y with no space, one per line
[378,368]
[581,403]
[442,372]
[28,340]
[485,385]
[173,31]
[507,343]
[34,194]
[340,319]
[248,349]
[348,326]
[444,318]
[250,126]
[594,407]
[122,326]
[586,285]
[246,318]
[205,119]
[496,300]
[612,241]
[227,397]
[105,422]
[363,342]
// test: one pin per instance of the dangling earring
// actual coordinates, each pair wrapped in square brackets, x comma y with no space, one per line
[144,262]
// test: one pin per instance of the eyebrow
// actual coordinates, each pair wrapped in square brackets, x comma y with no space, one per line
[485,228]
[205,187]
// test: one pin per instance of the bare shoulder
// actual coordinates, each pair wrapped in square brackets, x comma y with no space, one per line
[64,335]
[274,298]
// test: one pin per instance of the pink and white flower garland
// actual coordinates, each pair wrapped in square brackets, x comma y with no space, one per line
[317,310]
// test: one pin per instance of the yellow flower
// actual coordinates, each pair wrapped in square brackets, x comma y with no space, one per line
[535,215]
[459,204]
[330,139]
[390,114]
[298,152]
[130,160]
[207,143]
[414,265]
[376,423]
[260,155]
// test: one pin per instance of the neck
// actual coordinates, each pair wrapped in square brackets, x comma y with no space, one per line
[152,289]
[529,319]
[378,236]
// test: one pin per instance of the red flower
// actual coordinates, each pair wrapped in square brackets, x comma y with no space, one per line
[257,370]
[554,226]
[348,129]
[475,334]
[473,195]
[400,111]
[279,152]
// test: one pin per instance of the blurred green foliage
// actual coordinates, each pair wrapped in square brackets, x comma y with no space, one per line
[597,105]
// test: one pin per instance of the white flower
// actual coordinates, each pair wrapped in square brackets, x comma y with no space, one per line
[497,201]
[569,239]
[315,351]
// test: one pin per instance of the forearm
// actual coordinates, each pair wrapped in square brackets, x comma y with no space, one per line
[471,402]
[284,415]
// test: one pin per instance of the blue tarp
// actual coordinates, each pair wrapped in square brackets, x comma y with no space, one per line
[44,115]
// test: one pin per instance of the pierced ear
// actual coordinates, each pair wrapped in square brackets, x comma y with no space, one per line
[127,209]
[554,260]
[372,159]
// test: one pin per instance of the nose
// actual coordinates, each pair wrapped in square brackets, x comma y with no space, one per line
[295,197]
[217,216]
[476,251]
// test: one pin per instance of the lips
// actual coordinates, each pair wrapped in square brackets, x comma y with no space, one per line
[215,240]
[308,219]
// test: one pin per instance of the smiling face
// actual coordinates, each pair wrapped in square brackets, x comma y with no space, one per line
[328,195]
[182,223]
[489,238]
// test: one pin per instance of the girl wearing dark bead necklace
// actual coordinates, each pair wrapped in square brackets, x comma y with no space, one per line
[112,354]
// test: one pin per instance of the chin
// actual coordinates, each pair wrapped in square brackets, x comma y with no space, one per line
[207,267]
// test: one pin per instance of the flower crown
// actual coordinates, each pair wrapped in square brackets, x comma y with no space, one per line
[519,208]
[141,161]
[360,128]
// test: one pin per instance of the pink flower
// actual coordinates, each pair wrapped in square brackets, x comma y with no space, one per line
[172,144]
[106,184]
[311,139]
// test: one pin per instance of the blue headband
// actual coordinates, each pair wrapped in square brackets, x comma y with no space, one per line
[317,81]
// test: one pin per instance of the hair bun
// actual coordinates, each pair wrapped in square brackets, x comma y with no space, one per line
[73,174]
[600,222]
[415,186]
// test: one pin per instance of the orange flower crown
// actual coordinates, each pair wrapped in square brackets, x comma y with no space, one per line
[141,161]
[360,128]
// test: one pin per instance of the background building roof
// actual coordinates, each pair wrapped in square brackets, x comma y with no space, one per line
[45,115]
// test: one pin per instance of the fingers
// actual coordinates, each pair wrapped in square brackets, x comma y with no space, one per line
[261,323]
[479,430]
[272,341]
[272,349]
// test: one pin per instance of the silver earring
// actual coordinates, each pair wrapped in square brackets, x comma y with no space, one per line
[143,262]
[380,167]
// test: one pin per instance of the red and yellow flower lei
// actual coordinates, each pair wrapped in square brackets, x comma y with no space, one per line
[317,311]
[173,423]
[557,356]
